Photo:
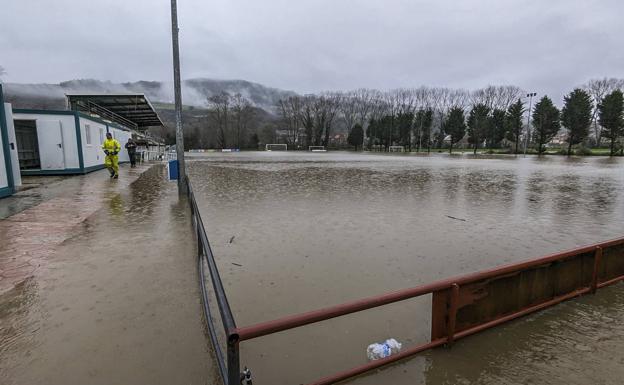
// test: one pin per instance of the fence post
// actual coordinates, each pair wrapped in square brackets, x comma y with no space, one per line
[233,360]
[452,314]
[597,259]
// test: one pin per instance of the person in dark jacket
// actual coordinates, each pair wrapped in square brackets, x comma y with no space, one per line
[131,147]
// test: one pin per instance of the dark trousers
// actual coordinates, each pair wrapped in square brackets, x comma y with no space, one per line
[132,155]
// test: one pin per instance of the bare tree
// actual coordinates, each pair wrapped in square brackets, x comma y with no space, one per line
[325,110]
[365,102]
[348,108]
[424,102]
[507,95]
[242,111]
[484,97]
[290,110]
[307,118]
[377,109]
[458,98]
[219,106]
[392,101]
[496,97]
[440,101]
[598,89]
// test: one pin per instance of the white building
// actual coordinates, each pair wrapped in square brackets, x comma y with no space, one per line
[70,141]
[9,167]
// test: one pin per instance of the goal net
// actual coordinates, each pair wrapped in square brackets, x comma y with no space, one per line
[317,148]
[396,149]
[276,147]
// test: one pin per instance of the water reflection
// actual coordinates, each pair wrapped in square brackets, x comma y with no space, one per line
[118,302]
[575,343]
[312,231]
[17,322]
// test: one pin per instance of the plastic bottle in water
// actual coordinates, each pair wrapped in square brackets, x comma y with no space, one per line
[383,350]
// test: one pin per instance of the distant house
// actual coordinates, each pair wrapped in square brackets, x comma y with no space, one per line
[338,140]
[559,139]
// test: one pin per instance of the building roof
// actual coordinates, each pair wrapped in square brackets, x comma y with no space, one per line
[132,110]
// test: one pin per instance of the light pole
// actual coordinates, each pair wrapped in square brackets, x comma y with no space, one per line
[526,139]
[182,189]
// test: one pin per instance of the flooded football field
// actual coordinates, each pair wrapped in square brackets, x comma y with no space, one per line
[294,232]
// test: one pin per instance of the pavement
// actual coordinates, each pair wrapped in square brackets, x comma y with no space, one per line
[100,285]
[45,213]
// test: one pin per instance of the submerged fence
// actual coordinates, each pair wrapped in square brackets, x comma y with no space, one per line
[228,362]
[461,306]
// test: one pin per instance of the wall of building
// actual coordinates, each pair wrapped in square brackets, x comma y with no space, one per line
[6,176]
[93,134]
[54,129]
[71,142]
[8,113]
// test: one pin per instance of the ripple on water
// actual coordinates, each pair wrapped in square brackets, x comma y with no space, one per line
[336,227]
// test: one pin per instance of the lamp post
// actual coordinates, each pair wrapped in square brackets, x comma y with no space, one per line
[182,189]
[528,132]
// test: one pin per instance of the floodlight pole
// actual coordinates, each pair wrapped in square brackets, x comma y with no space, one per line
[182,189]
[526,139]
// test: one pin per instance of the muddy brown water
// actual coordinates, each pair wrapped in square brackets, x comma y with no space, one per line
[314,230]
[118,303]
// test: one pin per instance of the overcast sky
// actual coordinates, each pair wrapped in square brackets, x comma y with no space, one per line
[313,45]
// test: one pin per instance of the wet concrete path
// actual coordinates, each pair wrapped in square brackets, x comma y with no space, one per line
[37,220]
[115,300]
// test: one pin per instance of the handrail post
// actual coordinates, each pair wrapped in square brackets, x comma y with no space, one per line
[233,360]
[452,314]
[597,260]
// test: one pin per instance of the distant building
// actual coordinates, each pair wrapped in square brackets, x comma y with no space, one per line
[54,142]
[338,140]
[559,139]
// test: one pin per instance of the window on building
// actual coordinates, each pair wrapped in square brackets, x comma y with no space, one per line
[88,133]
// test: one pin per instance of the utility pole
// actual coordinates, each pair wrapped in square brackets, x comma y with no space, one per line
[422,116]
[182,188]
[526,139]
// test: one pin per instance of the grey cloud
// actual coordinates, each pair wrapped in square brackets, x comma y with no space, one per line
[313,45]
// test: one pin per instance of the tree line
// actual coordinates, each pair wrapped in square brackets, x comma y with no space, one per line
[429,117]
[424,118]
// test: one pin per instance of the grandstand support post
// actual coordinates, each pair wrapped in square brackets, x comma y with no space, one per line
[182,188]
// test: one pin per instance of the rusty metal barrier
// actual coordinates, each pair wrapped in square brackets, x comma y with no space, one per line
[461,306]
[470,303]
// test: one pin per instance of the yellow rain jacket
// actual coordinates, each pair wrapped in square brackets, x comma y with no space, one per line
[111,147]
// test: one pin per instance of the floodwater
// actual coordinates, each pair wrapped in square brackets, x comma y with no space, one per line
[294,232]
[118,303]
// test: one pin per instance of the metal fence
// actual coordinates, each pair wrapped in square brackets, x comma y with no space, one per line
[228,361]
[461,306]
[154,155]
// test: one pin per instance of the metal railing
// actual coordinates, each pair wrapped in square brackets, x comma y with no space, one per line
[152,155]
[228,363]
[461,306]
[470,303]
[104,113]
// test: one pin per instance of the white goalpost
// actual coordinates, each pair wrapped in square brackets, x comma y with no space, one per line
[396,149]
[317,148]
[276,147]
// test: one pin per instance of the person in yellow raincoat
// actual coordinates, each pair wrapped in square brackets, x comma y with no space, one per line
[111,148]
